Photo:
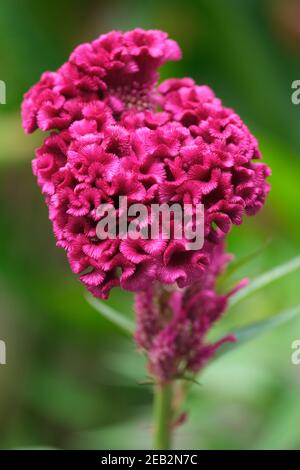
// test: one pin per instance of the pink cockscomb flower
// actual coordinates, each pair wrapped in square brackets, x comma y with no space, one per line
[172,324]
[116,132]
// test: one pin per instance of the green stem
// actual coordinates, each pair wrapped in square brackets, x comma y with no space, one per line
[162,416]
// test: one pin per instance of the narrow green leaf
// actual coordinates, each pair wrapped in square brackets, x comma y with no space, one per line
[265,279]
[237,264]
[247,333]
[117,318]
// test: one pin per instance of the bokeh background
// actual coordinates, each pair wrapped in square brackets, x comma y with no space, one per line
[71,380]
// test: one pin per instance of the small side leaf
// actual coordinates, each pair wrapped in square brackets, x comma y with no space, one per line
[239,263]
[115,317]
[265,279]
[247,333]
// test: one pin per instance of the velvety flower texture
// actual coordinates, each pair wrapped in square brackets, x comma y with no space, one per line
[115,132]
[172,324]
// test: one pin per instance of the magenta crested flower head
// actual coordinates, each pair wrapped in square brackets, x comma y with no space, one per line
[115,132]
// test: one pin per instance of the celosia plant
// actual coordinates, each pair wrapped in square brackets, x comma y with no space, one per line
[117,132]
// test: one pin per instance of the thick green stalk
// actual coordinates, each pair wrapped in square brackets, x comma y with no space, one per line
[162,416]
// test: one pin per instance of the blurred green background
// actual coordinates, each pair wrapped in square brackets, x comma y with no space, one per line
[71,380]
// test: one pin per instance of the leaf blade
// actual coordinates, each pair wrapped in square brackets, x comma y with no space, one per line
[265,279]
[247,333]
[115,317]
[239,263]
